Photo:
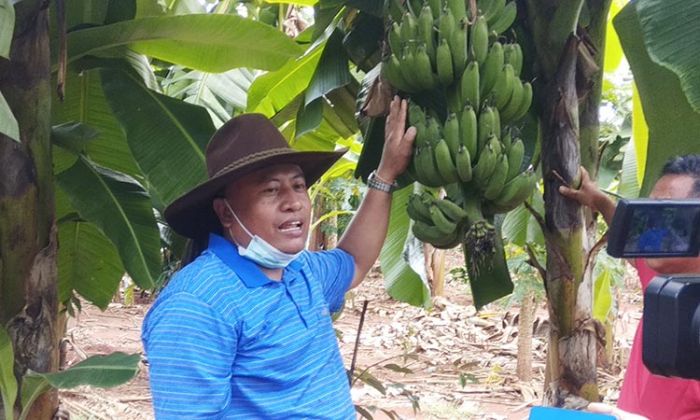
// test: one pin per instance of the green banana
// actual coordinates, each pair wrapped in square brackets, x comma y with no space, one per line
[453,212]
[427,166]
[463,164]
[433,129]
[416,115]
[391,71]
[525,102]
[458,8]
[491,68]
[515,159]
[425,30]
[429,233]
[418,173]
[451,133]
[513,55]
[443,60]
[446,23]
[497,180]
[468,128]
[418,210]
[496,145]
[486,126]
[394,38]
[509,111]
[505,19]
[494,12]
[441,221]
[407,66]
[479,38]
[504,86]
[444,164]
[408,28]
[469,85]
[507,139]
[496,122]
[484,166]
[516,190]
[421,136]
[423,69]
[458,46]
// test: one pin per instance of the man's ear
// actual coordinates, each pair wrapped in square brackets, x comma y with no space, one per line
[222,212]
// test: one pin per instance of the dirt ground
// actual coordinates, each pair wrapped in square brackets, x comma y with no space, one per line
[450,361]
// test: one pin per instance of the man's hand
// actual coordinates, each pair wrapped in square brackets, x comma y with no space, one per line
[398,142]
[588,194]
[601,408]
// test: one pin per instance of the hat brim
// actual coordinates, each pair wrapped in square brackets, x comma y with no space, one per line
[193,216]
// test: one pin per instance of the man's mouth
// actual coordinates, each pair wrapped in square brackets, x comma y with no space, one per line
[291,226]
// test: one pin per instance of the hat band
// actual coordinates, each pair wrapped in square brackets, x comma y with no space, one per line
[251,158]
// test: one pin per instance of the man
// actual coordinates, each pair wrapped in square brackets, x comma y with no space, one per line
[653,396]
[244,331]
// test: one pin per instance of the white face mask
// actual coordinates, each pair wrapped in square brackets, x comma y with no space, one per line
[260,251]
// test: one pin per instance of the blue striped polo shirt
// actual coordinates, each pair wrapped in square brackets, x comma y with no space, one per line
[224,341]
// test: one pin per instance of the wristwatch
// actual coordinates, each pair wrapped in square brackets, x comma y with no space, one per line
[374,181]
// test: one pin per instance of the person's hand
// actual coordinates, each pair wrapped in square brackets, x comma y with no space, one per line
[588,194]
[398,142]
[601,408]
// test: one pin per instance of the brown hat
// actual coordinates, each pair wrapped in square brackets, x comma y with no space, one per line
[242,145]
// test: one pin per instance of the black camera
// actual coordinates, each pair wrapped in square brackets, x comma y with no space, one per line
[647,228]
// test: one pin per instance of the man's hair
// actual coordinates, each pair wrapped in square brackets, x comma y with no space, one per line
[685,165]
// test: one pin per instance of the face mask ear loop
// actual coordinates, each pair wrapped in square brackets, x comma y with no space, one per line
[237,219]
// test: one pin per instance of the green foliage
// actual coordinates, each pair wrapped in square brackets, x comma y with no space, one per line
[87,263]
[7,26]
[671,36]
[212,43]
[122,210]
[402,260]
[673,124]
[104,371]
[8,123]
[159,124]
[8,383]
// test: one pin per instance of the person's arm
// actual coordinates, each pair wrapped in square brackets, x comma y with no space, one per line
[365,235]
[588,194]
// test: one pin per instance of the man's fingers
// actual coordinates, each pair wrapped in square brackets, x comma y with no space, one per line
[410,135]
[567,192]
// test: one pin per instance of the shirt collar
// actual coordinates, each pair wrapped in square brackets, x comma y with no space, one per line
[249,272]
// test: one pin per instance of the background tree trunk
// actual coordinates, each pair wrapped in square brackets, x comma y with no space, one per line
[28,274]
[527,315]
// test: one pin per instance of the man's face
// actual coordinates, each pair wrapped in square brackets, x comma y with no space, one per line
[272,203]
[673,187]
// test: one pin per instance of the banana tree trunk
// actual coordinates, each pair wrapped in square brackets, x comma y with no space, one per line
[572,343]
[28,274]
[569,83]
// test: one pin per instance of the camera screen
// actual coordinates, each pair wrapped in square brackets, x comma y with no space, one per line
[655,228]
[665,229]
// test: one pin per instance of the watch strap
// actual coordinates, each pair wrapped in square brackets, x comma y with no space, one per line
[375,182]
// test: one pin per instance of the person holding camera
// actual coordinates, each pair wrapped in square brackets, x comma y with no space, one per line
[643,393]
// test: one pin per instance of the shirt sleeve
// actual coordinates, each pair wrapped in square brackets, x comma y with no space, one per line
[190,351]
[335,270]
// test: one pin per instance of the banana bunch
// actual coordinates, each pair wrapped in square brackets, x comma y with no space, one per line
[470,145]
[433,41]
[439,222]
